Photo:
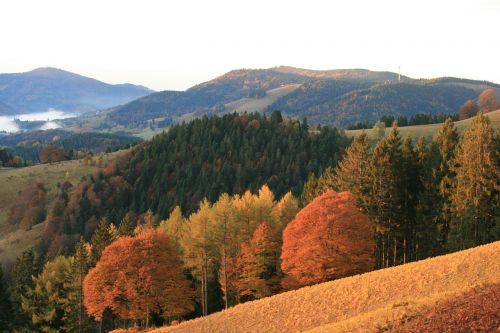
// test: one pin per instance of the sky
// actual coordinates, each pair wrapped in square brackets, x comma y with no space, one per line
[177,44]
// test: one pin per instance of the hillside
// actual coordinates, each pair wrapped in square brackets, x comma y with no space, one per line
[329,97]
[336,103]
[428,131]
[50,88]
[363,303]
[205,97]
[14,240]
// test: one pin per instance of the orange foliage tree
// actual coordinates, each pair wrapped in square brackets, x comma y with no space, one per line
[257,264]
[487,101]
[138,276]
[330,238]
[51,154]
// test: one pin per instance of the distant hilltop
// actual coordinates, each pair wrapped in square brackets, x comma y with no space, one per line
[51,88]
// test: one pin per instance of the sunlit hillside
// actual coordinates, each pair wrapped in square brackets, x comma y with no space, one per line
[428,131]
[14,239]
[364,303]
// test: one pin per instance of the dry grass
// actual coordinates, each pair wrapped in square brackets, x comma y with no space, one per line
[428,131]
[259,104]
[15,180]
[14,241]
[359,303]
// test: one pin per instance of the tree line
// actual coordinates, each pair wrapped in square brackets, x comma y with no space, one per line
[425,198]
[486,102]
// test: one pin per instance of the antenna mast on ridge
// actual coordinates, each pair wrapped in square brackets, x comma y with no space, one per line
[399,73]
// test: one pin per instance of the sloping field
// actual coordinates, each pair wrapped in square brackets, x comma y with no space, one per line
[259,104]
[13,241]
[369,302]
[428,131]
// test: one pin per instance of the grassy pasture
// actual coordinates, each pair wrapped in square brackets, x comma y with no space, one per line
[362,303]
[428,131]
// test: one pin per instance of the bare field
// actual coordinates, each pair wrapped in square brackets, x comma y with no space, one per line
[362,303]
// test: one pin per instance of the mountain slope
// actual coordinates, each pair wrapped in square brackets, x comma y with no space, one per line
[331,97]
[366,302]
[6,109]
[333,103]
[44,88]
[205,97]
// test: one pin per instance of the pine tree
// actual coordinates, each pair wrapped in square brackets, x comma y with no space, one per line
[5,306]
[384,195]
[102,237]
[350,174]
[46,302]
[427,241]
[311,190]
[327,180]
[77,316]
[409,188]
[474,193]
[446,140]
[24,270]
[126,227]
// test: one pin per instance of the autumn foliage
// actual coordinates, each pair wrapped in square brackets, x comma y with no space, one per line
[138,276]
[257,264]
[329,239]
[51,154]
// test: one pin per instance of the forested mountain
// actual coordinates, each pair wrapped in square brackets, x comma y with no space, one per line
[333,97]
[45,88]
[204,97]
[334,103]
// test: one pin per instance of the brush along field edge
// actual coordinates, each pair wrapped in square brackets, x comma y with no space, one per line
[369,297]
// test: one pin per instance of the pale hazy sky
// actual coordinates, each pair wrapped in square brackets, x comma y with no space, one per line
[176,44]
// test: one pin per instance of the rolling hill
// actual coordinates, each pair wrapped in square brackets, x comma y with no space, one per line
[428,131]
[330,97]
[373,302]
[50,88]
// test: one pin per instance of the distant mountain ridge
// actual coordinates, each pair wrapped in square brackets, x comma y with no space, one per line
[331,97]
[47,87]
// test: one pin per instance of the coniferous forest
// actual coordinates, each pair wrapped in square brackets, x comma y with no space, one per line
[223,210]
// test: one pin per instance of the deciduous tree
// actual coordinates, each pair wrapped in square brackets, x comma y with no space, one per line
[329,238]
[136,277]
[257,265]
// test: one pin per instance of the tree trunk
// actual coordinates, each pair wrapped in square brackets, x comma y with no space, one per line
[404,251]
[224,265]
[202,291]
[383,254]
[395,252]
[80,301]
